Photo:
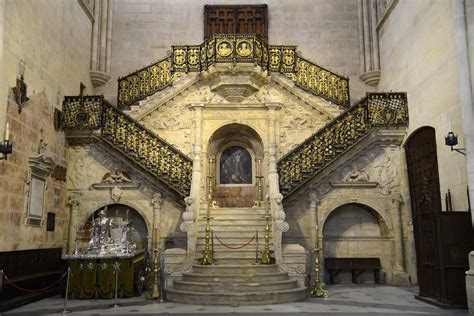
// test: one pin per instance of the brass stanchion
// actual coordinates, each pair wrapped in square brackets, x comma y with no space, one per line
[116,267]
[318,286]
[265,255]
[155,292]
[208,253]
[65,310]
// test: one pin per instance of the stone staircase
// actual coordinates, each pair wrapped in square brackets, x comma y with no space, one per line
[233,227]
[235,285]
[236,279]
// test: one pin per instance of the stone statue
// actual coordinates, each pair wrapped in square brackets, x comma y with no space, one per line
[116,176]
[279,213]
[356,176]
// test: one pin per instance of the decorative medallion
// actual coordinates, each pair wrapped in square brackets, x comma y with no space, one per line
[244,48]
[224,48]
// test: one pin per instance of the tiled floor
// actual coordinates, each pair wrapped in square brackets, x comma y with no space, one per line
[343,300]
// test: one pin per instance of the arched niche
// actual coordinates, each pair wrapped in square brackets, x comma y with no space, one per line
[118,212]
[356,230]
[235,153]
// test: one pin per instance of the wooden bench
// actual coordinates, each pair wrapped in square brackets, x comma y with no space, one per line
[356,265]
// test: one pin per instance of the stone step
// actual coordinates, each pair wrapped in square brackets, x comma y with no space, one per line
[226,277]
[230,260]
[238,298]
[235,287]
[233,242]
[243,234]
[246,252]
[213,269]
[232,216]
[233,227]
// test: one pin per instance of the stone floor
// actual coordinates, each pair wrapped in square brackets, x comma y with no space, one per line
[343,300]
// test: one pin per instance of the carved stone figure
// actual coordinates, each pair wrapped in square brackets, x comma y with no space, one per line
[279,213]
[356,176]
[116,176]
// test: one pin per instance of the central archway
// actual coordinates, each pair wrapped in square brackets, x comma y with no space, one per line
[235,152]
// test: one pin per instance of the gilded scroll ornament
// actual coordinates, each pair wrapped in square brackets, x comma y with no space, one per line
[235,49]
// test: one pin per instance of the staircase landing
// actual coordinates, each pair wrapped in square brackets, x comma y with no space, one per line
[235,285]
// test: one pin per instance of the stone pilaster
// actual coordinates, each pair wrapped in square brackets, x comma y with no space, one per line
[470,284]
[273,187]
[400,276]
[156,203]
[73,204]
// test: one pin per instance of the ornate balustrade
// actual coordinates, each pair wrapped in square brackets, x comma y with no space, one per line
[305,161]
[91,113]
[233,49]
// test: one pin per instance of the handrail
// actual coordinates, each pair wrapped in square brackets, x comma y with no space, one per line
[94,113]
[224,48]
[326,145]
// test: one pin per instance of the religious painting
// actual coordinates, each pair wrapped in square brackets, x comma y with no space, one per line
[235,166]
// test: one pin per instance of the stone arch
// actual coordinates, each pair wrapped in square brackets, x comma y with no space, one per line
[244,140]
[369,205]
[353,230]
[142,227]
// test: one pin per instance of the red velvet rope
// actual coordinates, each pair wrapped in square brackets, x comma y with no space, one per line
[238,247]
[16,286]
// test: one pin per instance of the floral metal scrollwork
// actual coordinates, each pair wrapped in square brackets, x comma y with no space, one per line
[233,49]
[128,136]
[375,110]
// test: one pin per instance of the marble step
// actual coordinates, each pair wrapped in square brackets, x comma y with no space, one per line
[213,269]
[242,234]
[246,252]
[237,298]
[226,277]
[234,287]
[234,217]
[234,242]
[231,259]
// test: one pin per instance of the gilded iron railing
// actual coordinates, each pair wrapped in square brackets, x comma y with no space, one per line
[315,153]
[233,49]
[94,113]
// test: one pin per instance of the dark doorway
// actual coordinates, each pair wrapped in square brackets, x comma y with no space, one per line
[442,239]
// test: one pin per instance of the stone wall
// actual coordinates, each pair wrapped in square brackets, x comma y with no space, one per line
[326,32]
[34,123]
[50,40]
[418,55]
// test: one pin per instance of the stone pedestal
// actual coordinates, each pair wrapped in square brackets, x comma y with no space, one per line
[470,284]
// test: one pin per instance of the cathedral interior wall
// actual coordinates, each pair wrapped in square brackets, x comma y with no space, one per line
[418,55]
[49,43]
[325,32]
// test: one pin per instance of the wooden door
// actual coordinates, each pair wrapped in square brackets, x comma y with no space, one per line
[442,239]
[236,19]
[422,163]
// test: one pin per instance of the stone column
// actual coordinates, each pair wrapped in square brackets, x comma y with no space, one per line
[197,147]
[73,203]
[470,284]
[101,42]
[465,85]
[368,43]
[400,276]
[156,203]
[273,186]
